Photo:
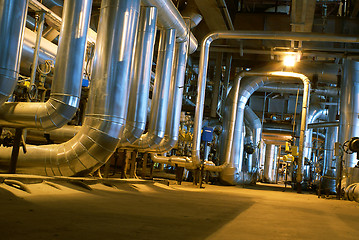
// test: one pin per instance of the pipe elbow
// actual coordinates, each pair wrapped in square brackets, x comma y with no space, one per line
[57,111]
[132,132]
[7,76]
[209,38]
[149,141]
[166,144]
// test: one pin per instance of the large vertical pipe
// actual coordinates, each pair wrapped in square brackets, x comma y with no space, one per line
[107,108]
[270,165]
[256,125]
[158,114]
[331,137]
[349,110]
[175,99]
[12,25]
[66,86]
[141,76]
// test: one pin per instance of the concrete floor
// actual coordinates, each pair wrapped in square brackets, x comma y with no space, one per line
[147,210]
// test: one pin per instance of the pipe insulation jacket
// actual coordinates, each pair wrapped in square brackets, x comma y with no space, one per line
[169,17]
[161,91]
[12,25]
[107,106]
[141,76]
[66,87]
[349,111]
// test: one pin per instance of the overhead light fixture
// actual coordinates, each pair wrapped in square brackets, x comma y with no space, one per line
[290,60]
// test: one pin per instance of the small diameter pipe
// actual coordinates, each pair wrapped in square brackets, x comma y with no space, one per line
[169,17]
[39,31]
[323,125]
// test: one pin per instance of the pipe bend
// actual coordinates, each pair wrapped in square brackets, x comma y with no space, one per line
[209,38]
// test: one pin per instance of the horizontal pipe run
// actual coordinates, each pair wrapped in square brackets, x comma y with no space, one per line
[293,89]
[323,125]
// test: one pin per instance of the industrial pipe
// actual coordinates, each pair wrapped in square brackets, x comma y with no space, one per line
[47,51]
[323,124]
[293,89]
[256,126]
[99,135]
[169,17]
[12,25]
[141,74]
[315,112]
[39,31]
[349,112]
[66,86]
[270,164]
[159,106]
[175,99]
[238,35]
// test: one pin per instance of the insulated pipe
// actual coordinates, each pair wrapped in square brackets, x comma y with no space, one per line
[248,139]
[159,105]
[12,25]
[256,126]
[349,111]
[315,113]
[330,139]
[141,76]
[66,86]
[248,86]
[270,164]
[203,66]
[175,99]
[169,17]
[106,114]
[293,89]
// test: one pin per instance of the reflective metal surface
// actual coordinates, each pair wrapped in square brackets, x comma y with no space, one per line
[169,17]
[141,74]
[161,89]
[349,110]
[315,112]
[107,107]
[270,164]
[256,126]
[175,99]
[66,86]
[12,25]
